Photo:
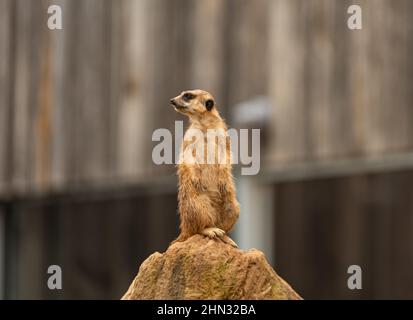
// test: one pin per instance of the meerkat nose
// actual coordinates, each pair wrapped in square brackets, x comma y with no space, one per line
[173,102]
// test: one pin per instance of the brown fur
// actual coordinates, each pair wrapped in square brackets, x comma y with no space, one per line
[206,194]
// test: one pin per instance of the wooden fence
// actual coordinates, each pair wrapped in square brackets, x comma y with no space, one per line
[78,107]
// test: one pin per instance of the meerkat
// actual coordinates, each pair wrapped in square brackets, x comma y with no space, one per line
[206,193]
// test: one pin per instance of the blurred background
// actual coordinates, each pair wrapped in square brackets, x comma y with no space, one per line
[78,107]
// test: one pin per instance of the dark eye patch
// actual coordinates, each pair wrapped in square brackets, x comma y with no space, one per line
[209,104]
[188,96]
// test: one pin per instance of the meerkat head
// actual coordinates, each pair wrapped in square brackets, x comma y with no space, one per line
[196,104]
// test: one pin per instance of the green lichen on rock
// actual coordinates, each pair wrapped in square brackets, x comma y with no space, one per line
[201,268]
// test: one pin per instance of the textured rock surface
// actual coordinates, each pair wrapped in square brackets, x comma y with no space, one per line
[201,268]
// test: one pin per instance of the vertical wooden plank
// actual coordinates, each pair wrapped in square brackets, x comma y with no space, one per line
[133,111]
[340,137]
[352,235]
[286,81]
[402,238]
[247,49]
[2,253]
[79,250]
[31,269]
[20,150]
[66,258]
[318,79]
[6,15]
[11,265]
[42,97]
[92,66]
[91,262]
[30,154]
[51,245]
[63,96]
[114,20]
[409,69]
[290,234]
[361,82]
[319,245]
[30,140]
[391,218]
[120,219]
[378,77]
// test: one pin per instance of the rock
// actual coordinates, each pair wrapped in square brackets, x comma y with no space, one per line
[202,268]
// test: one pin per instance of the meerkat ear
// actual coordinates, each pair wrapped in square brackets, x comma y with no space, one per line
[209,104]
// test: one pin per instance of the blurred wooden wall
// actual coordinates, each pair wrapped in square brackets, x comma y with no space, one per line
[339,93]
[99,242]
[324,226]
[71,110]
[78,107]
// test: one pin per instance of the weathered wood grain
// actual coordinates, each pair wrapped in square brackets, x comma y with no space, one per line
[324,226]
[289,119]
[79,105]
[21,104]
[338,92]
[6,35]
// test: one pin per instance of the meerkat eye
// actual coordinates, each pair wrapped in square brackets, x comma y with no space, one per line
[188,96]
[209,104]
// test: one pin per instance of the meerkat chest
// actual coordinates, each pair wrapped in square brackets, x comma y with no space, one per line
[204,147]
[209,174]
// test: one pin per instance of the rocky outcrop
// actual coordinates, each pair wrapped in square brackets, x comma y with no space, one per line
[201,268]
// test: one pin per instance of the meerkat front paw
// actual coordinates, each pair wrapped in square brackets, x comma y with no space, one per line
[213,232]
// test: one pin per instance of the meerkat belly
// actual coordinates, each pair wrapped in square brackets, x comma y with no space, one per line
[210,182]
[210,176]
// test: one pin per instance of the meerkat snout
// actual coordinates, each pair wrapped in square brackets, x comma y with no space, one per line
[177,105]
